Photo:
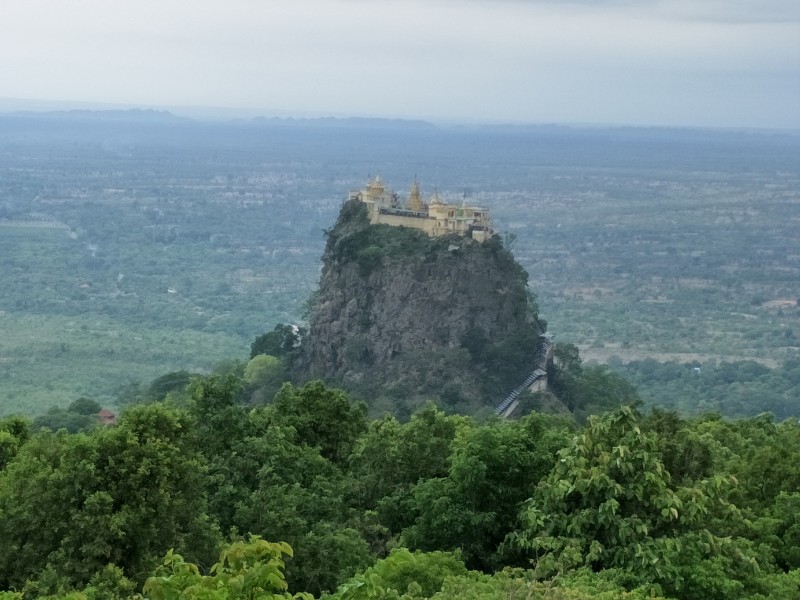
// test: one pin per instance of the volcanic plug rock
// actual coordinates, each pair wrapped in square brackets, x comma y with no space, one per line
[445,317]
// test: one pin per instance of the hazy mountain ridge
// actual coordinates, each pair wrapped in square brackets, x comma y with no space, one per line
[117,115]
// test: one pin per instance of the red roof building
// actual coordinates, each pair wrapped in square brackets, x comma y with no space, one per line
[107,417]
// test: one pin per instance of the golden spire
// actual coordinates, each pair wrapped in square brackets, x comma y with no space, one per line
[415,200]
[377,185]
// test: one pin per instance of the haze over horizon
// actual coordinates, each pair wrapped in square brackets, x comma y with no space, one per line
[643,62]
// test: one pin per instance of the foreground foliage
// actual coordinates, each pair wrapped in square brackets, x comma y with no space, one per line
[179,498]
[250,570]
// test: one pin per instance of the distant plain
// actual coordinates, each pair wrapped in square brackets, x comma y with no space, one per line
[133,244]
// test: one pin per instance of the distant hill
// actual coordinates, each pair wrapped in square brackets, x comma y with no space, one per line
[116,115]
[339,123]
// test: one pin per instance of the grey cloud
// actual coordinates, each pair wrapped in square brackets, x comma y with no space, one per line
[675,62]
[718,11]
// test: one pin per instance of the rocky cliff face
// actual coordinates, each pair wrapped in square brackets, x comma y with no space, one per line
[397,306]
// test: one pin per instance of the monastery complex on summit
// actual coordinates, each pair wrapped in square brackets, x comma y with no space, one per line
[434,217]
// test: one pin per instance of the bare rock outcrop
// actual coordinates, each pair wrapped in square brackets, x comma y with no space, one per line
[395,305]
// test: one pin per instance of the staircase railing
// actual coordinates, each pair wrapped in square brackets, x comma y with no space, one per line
[538,372]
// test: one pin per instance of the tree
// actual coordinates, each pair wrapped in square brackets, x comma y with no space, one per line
[251,570]
[72,504]
[687,454]
[220,420]
[14,432]
[770,459]
[281,342]
[176,382]
[81,415]
[322,417]
[598,390]
[391,457]
[267,476]
[403,574]
[280,489]
[563,373]
[784,515]
[515,584]
[609,503]
[260,367]
[493,469]
[107,584]
[84,406]
[264,374]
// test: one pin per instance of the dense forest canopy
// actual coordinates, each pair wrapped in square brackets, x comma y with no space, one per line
[200,494]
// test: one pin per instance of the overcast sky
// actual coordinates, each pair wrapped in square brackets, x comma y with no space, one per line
[682,62]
